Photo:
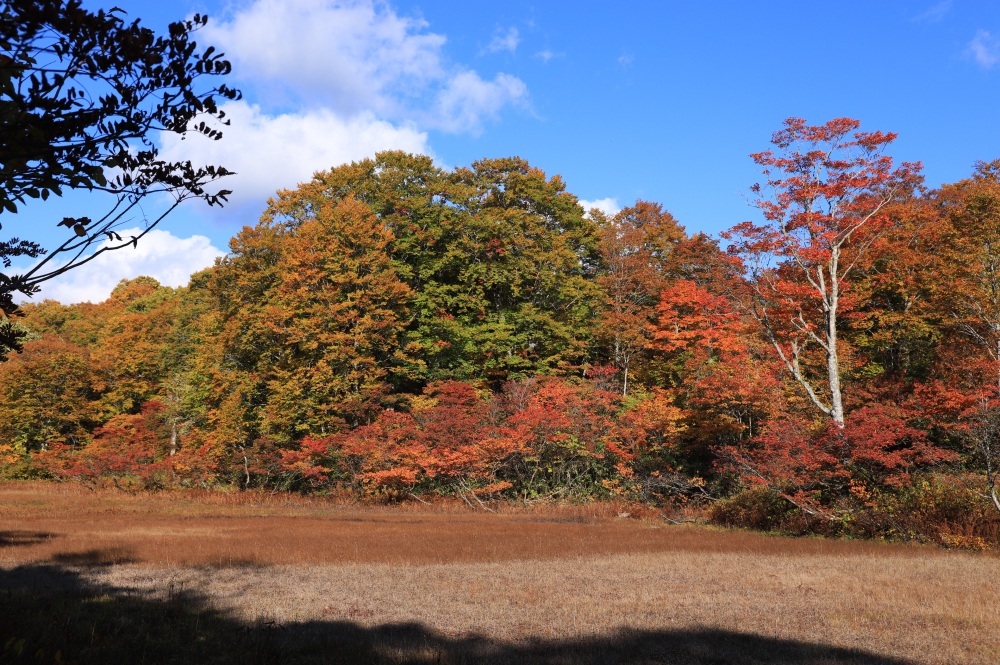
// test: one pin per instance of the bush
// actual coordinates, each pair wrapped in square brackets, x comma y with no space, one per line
[938,509]
[762,509]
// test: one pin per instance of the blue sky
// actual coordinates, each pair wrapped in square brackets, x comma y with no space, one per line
[661,101]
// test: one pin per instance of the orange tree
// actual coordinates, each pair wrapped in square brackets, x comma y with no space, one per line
[306,330]
[48,395]
[965,392]
[638,257]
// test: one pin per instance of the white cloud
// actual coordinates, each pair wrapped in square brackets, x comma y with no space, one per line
[504,41]
[354,56]
[274,152]
[609,206]
[934,13]
[350,55]
[467,100]
[160,255]
[984,49]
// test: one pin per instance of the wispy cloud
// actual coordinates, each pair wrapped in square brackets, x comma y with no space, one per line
[504,40]
[934,13]
[626,59]
[467,100]
[546,55]
[984,49]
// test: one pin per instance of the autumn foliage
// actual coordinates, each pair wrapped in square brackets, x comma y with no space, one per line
[399,331]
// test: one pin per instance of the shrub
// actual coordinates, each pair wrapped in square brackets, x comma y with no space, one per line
[763,509]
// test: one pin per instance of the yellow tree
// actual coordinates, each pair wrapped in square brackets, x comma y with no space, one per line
[339,309]
[132,347]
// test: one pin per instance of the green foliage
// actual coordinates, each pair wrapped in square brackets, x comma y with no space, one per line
[499,260]
[15,334]
[760,508]
[936,508]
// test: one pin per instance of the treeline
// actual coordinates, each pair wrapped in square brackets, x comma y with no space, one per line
[392,329]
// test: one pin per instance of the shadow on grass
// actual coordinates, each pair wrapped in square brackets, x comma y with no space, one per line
[95,558]
[49,614]
[17,538]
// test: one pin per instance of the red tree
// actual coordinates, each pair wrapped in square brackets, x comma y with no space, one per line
[824,203]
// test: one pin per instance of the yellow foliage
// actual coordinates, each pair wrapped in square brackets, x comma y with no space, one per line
[10,454]
[422,403]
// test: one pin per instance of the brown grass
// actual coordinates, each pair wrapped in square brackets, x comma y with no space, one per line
[555,576]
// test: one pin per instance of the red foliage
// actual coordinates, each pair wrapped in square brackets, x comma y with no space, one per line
[825,200]
[455,438]
[126,446]
[692,318]
[876,449]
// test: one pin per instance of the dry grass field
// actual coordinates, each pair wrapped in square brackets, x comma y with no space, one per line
[198,577]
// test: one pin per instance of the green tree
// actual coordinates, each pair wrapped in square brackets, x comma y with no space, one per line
[499,259]
[521,287]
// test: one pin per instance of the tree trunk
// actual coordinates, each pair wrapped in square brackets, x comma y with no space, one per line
[173,437]
[832,359]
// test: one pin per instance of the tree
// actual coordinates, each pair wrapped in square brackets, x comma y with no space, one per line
[82,95]
[127,447]
[899,323]
[970,257]
[637,248]
[48,395]
[309,322]
[717,367]
[828,189]
[523,284]
[411,197]
[875,450]
[972,208]
[498,256]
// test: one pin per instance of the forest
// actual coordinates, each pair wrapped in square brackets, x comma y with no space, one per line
[396,331]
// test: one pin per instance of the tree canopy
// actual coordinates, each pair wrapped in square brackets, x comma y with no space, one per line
[395,329]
